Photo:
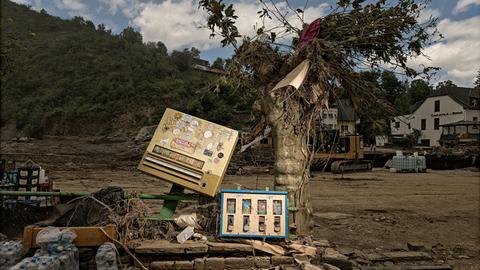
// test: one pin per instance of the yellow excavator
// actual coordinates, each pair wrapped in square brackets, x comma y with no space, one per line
[340,153]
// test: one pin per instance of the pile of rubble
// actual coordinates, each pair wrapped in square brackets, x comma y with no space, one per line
[289,255]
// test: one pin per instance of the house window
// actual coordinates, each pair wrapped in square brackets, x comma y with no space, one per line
[264,141]
[425,142]
[437,105]
[436,123]
[424,124]
[344,128]
[330,115]
[397,124]
[475,119]
[409,126]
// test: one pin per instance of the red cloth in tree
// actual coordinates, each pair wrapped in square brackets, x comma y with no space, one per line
[309,32]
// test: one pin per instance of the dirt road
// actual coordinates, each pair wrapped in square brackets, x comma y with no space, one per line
[362,211]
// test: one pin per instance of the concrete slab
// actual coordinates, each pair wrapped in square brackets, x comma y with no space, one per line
[177,265]
[219,247]
[162,247]
[398,256]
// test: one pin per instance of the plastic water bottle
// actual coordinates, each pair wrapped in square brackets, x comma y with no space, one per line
[11,252]
[106,258]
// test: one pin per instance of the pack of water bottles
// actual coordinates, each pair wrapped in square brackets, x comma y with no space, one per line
[11,252]
[38,263]
[56,251]
[106,258]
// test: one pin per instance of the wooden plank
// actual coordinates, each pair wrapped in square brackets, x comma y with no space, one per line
[86,236]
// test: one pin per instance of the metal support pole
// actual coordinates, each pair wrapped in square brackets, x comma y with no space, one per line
[169,206]
[168,197]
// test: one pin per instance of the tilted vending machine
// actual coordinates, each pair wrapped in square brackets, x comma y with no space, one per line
[190,152]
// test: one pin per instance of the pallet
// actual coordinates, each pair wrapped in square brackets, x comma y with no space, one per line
[86,236]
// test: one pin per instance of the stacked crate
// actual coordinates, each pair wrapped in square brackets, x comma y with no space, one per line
[8,174]
[27,179]
[409,163]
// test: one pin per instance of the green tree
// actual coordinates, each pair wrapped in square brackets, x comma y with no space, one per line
[445,84]
[218,63]
[183,60]
[412,138]
[131,36]
[195,52]
[162,48]
[391,86]
[63,77]
[419,90]
[477,80]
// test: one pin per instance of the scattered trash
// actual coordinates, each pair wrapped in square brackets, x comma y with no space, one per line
[185,234]
[199,236]
[184,221]
[303,249]
[266,247]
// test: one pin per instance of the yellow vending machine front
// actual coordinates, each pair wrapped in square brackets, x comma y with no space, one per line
[190,152]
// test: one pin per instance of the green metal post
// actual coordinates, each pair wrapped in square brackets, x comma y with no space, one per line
[170,200]
[43,193]
[169,205]
[172,197]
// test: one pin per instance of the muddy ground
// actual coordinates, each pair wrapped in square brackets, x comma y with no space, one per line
[367,211]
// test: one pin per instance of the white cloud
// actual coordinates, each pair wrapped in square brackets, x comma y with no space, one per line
[113,5]
[427,13]
[457,54]
[130,8]
[75,8]
[35,4]
[462,5]
[174,23]
[179,24]
[22,2]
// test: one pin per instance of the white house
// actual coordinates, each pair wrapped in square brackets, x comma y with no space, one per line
[340,116]
[445,106]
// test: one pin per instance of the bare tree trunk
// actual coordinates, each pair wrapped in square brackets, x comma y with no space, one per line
[291,157]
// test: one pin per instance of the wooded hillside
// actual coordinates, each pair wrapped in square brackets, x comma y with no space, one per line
[72,77]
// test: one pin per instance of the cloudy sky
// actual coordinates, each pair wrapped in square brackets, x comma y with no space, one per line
[178,24]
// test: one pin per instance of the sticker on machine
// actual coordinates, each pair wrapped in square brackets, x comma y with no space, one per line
[164,141]
[184,145]
[207,134]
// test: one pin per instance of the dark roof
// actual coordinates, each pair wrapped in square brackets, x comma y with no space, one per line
[345,110]
[462,95]
[201,62]
[462,123]
[415,106]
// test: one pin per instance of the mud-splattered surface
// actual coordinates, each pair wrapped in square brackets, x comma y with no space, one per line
[385,211]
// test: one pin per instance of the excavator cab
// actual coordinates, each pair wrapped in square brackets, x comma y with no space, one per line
[340,153]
